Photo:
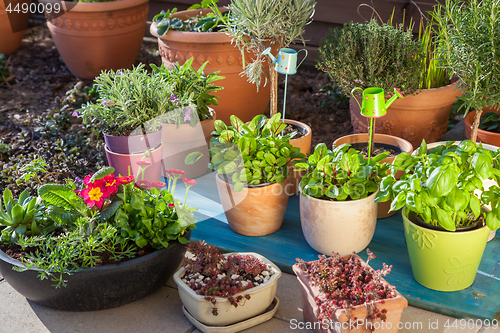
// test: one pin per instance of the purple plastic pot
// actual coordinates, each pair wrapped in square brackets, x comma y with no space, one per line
[133,143]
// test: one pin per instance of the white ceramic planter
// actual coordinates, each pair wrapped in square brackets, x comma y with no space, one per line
[338,226]
[260,298]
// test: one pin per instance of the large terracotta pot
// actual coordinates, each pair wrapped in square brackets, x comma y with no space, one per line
[341,227]
[482,135]
[304,143]
[239,97]
[12,27]
[383,207]
[126,164]
[255,211]
[180,141]
[99,36]
[342,318]
[414,117]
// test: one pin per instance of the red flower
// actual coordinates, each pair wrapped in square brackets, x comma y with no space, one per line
[143,184]
[77,192]
[95,194]
[171,205]
[168,171]
[143,163]
[111,184]
[158,184]
[124,179]
[189,181]
[86,179]
[177,172]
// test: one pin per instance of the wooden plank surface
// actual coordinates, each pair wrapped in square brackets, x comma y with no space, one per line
[388,244]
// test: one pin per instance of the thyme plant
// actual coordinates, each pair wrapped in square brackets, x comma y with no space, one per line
[255,25]
[469,46]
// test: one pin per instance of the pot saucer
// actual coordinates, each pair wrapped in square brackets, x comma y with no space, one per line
[242,325]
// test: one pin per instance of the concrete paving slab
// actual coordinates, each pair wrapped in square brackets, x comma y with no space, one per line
[290,298]
[493,328]
[419,320]
[272,326]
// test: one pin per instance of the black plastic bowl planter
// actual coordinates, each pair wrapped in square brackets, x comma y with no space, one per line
[97,288]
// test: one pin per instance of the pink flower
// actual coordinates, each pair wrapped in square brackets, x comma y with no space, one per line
[124,179]
[95,194]
[111,184]
[143,184]
[86,180]
[177,172]
[143,163]
[174,98]
[158,184]
[75,114]
[189,181]
[171,205]
[77,192]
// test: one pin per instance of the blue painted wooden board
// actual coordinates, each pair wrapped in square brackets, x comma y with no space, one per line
[388,244]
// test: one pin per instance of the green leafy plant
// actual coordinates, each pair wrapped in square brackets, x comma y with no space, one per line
[335,95]
[22,217]
[490,122]
[255,25]
[341,174]
[190,85]
[438,185]
[371,55]
[252,154]
[468,46]
[209,22]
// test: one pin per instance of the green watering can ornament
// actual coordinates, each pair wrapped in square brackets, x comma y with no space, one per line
[374,106]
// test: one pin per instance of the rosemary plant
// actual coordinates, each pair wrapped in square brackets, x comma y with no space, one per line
[468,44]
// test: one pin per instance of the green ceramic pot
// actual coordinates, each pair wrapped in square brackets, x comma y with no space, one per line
[444,260]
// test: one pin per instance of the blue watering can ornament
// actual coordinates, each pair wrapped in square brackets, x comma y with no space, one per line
[285,63]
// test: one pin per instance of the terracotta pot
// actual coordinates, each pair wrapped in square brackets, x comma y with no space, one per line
[482,135]
[180,141]
[261,297]
[239,97]
[340,321]
[304,143]
[93,37]
[126,164]
[414,117]
[341,227]
[383,207]
[257,210]
[133,143]
[12,27]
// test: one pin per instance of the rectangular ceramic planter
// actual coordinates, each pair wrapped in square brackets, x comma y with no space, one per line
[340,321]
[261,297]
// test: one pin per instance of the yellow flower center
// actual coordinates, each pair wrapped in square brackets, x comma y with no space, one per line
[95,194]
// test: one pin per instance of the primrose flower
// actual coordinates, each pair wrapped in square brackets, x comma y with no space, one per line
[143,184]
[189,181]
[174,98]
[158,185]
[171,205]
[111,184]
[178,172]
[86,180]
[94,194]
[75,114]
[124,179]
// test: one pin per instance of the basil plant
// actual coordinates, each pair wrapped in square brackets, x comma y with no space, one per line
[440,185]
[341,174]
[253,154]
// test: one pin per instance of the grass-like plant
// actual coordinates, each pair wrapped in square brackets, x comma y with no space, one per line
[371,55]
[468,43]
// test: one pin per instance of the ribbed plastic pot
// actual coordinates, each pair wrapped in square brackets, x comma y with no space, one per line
[444,260]
[261,297]
[340,227]
[97,36]
[97,288]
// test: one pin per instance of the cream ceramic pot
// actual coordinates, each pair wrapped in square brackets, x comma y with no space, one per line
[338,226]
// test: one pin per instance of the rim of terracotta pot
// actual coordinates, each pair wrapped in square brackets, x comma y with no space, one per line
[138,153]
[300,124]
[97,6]
[188,36]
[345,202]
[469,121]
[406,146]
[433,145]
[268,284]
[437,97]
[246,186]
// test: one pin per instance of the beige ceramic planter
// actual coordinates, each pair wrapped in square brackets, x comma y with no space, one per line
[180,141]
[9,40]
[414,117]
[255,211]
[260,298]
[383,207]
[99,36]
[340,227]
[340,321]
[239,97]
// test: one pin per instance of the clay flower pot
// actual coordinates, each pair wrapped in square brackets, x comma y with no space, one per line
[255,211]
[342,227]
[98,36]
[342,319]
[414,117]
[126,164]
[180,141]
[483,136]
[395,142]
[239,97]
[12,27]
[261,297]
[304,143]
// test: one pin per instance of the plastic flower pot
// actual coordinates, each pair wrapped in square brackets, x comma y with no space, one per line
[444,260]
[338,226]
[133,143]
[261,297]
[343,320]
[255,211]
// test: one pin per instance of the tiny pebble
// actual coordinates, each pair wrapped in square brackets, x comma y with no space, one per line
[234,276]
[266,279]
[265,273]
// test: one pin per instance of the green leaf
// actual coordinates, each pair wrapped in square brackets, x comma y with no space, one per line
[57,195]
[493,219]
[444,219]
[238,186]
[193,157]
[441,181]
[278,127]
[482,165]
[220,126]
[101,173]
[237,123]
[422,150]
[109,211]
[226,136]
[475,205]
[456,199]
[270,158]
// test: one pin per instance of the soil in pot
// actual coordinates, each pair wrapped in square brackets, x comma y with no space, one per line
[300,132]
[378,148]
[418,221]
